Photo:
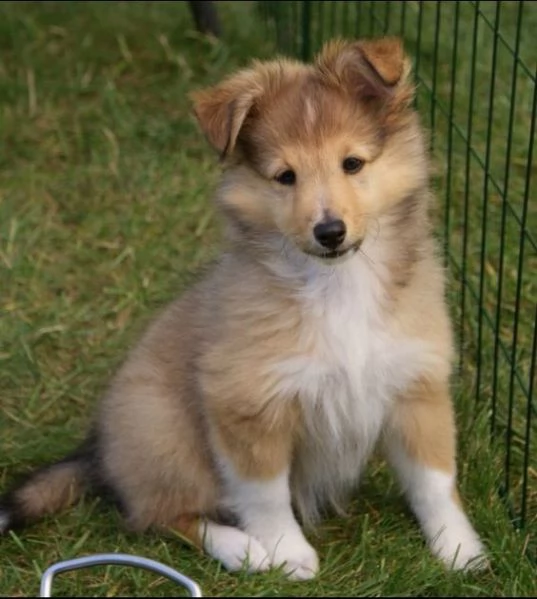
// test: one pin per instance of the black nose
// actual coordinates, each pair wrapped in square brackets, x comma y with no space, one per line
[330,234]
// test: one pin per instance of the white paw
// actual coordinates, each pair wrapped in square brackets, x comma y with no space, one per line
[235,549]
[460,549]
[299,563]
[291,551]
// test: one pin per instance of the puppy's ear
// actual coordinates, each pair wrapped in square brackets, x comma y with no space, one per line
[371,69]
[385,56]
[221,110]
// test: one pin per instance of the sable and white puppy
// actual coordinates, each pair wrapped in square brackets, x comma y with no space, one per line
[257,397]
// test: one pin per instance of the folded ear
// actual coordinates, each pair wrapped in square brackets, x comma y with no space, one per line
[385,56]
[224,109]
[371,69]
[221,110]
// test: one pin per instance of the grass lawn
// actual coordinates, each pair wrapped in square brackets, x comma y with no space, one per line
[105,215]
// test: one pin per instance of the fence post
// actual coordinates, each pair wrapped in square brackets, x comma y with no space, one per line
[306,22]
[206,17]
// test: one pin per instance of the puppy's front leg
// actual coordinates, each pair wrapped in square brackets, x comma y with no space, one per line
[420,443]
[264,510]
[254,450]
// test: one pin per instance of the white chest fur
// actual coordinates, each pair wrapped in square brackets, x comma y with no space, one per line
[350,367]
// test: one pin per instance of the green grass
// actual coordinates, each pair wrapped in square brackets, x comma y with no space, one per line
[105,185]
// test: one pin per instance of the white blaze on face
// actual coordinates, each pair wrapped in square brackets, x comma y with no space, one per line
[310,113]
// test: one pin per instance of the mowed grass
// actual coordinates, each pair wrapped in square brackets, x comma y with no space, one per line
[105,215]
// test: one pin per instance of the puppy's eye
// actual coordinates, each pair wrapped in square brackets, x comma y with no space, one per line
[288,177]
[352,165]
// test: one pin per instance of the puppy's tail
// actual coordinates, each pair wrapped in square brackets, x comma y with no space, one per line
[47,490]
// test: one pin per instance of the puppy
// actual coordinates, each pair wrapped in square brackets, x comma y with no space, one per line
[253,401]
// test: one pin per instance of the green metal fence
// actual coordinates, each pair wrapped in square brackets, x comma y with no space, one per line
[475,66]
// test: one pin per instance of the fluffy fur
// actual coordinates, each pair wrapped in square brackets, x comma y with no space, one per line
[257,397]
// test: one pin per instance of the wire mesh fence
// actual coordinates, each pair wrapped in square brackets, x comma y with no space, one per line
[475,69]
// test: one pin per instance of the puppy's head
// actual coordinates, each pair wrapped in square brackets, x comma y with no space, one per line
[317,152]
